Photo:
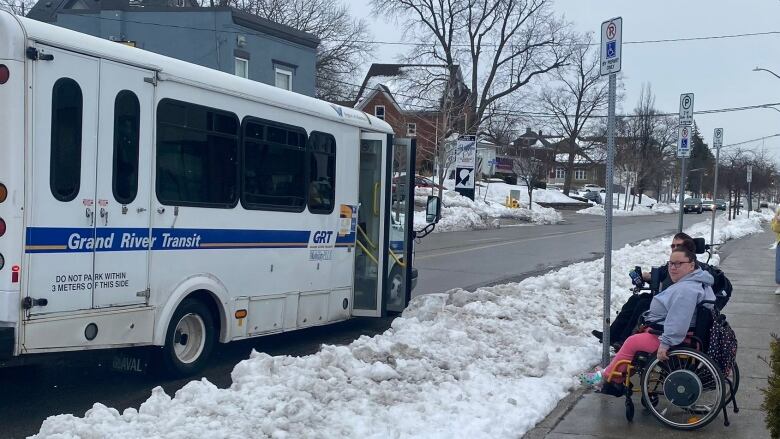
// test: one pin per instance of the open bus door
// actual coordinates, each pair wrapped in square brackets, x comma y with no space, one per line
[401,278]
[380,228]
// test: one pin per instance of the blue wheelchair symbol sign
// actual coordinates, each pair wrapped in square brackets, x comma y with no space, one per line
[611,49]
[684,143]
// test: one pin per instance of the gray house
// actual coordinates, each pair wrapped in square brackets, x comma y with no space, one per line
[221,38]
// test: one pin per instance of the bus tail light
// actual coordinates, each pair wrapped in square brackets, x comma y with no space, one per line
[15,274]
[4,74]
[2,227]
[2,261]
[3,192]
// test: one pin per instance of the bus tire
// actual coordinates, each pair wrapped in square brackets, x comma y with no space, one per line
[189,339]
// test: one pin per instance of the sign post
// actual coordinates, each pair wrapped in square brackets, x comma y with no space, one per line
[684,147]
[611,51]
[465,165]
[717,140]
[750,194]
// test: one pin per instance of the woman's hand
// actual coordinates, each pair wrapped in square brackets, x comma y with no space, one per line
[662,353]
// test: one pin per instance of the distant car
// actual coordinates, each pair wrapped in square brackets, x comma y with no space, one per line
[399,190]
[720,204]
[692,205]
[592,188]
[707,205]
[763,204]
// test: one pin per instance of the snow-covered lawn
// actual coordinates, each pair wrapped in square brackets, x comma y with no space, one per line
[490,363]
[639,210]
[460,213]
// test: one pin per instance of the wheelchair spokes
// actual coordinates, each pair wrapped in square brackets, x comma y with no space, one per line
[686,391]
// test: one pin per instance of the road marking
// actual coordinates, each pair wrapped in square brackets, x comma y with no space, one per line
[482,247]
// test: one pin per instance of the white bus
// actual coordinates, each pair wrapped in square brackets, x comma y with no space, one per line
[146,201]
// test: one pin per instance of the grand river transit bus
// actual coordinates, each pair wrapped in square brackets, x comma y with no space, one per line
[146,201]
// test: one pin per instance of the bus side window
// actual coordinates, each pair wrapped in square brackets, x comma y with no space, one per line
[65,164]
[273,166]
[322,172]
[197,155]
[127,114]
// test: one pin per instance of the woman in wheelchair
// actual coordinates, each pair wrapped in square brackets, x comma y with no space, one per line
[674,309]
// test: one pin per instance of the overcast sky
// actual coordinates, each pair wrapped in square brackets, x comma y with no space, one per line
[718,71]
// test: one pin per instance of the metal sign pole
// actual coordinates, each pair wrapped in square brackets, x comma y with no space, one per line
[718,141]
[608,216]
[682,195]
[611,64]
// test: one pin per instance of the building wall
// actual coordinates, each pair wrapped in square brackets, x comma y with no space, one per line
[206,37]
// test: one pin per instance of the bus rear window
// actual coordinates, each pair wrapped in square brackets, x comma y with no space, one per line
[65,164]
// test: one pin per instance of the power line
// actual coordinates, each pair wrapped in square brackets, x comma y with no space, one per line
[402,43]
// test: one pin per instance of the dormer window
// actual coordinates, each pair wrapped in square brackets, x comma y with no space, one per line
[379,112]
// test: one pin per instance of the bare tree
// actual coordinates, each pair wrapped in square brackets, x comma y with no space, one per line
[532,171]
[578,92]
[345,41]
[18,7]
[505,44]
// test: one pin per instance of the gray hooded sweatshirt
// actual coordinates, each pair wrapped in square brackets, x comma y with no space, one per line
[675,307]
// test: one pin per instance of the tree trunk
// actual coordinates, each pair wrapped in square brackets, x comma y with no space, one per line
[569,168]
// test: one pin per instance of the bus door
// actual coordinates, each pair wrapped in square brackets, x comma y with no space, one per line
[60,234]
[373,226]
[122,199]
[399,250]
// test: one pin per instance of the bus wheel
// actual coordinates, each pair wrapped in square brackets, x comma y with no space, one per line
[189,340]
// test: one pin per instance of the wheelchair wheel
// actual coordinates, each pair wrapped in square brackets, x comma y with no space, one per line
[688,388]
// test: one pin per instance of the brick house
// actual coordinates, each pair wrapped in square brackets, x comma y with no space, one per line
[530,144]
[410,97]
[589,167]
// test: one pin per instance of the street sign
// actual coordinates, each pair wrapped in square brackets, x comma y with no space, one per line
[750,174]
[465,165]
[684,142]
[717,138]
[611,42]
[686,109]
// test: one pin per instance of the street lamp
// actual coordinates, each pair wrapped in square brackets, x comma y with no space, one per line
[760,69]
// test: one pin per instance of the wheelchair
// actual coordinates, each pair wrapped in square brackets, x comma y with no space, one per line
[687,391]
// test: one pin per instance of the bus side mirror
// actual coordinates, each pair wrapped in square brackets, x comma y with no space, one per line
[433,210]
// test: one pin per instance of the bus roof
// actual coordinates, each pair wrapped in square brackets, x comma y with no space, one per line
[199,76]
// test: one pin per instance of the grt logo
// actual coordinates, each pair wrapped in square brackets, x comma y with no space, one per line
[322,237]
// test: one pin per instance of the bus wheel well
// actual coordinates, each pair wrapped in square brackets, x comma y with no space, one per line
[208,299]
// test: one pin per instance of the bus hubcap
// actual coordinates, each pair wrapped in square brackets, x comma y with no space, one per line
[189,338]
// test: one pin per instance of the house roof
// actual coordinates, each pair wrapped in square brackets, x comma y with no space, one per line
[47,10]
[414,87]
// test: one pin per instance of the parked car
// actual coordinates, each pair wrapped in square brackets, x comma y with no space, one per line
[592,196]
[399,193]
[592,188]
[720,204]
[692,205]
[707,205]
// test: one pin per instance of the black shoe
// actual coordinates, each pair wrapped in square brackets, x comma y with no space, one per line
[614,389]
[597,334]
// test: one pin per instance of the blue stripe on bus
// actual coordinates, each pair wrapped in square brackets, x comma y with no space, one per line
[84,240]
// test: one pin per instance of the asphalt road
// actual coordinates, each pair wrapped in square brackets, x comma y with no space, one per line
[478,258]
[72,383]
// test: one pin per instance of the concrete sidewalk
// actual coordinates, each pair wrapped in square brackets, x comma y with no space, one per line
[754,313]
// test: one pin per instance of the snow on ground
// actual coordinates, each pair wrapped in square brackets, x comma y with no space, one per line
[639,210]
[460,213]
[484,364]
[499,191]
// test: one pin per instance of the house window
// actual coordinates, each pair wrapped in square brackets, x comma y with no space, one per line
[411,129]
[560,173]
[379,112]
[283,78]
[580,174]
[242,67]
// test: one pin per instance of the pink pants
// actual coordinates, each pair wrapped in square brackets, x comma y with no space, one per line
[643,341]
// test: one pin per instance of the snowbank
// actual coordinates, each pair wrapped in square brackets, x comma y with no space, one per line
[490,363]
[460,213]
[639,210]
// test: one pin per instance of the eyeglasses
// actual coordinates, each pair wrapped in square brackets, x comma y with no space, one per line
[678,264]
[674,246]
